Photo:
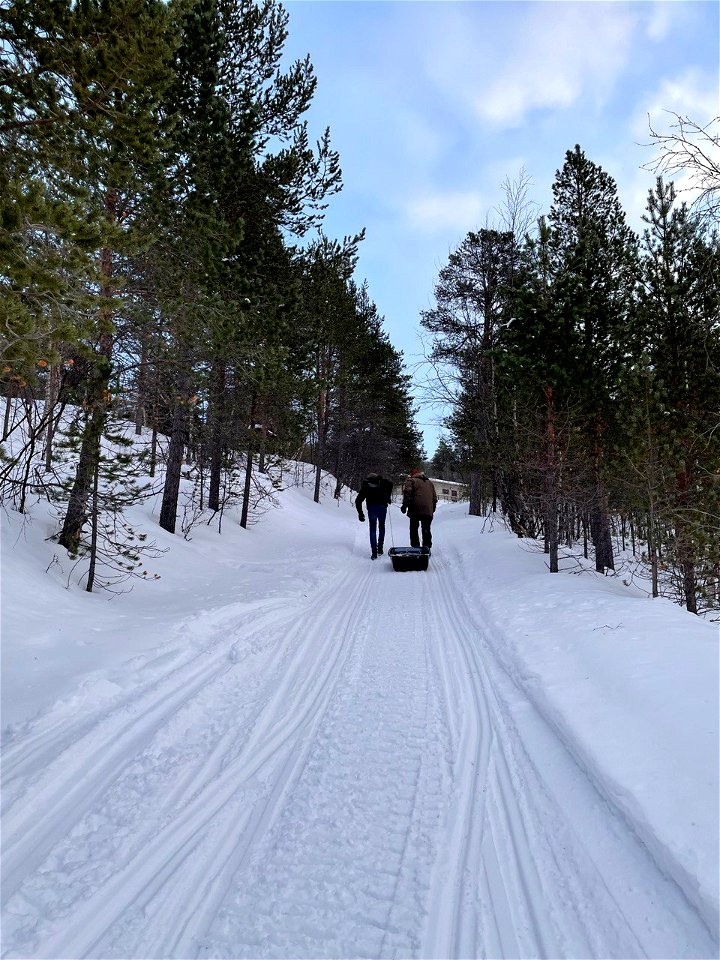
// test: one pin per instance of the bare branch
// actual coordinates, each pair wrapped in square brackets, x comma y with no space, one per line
[692,149]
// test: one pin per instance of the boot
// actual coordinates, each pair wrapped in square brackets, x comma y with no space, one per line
[373,555]
[380,549]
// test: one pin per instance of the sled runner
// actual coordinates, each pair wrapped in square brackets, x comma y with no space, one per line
[409,558]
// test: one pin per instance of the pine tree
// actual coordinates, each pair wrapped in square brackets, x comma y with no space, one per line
[249,175]
[471,297]
[103,134]
[540,351]
[49,229]
[595,267]
[679,340]
[371,422]
[444,463]
[328,316]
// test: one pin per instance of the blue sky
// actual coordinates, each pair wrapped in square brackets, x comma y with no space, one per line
[432,105]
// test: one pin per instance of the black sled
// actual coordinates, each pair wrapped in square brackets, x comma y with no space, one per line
[409,558]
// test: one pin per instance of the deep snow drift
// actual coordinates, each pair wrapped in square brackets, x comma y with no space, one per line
[282,749]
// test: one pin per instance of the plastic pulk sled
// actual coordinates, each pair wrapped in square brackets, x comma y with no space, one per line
[409,558]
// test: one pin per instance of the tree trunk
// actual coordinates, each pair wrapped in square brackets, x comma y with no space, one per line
[600,533]
[30,453]
[153,441]
[9,404]
[685,545]
[690,586]
[140,415]
[217,414]
[652,549]
[173,472]
[320,452]
[338,464]
[475,506]
[97,399]
[249,466]
[52,391]
[76,513]
[600,519]
[551,511]
[263,438]
[94,528]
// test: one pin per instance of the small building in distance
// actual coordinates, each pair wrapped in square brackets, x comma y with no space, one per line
[450,490]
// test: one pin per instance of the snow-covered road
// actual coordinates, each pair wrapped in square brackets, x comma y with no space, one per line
[344,771]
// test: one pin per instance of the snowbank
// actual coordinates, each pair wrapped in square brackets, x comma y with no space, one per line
[59,641]
[629,683]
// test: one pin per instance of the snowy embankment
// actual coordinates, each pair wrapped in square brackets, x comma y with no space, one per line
[282,749]
[629,683]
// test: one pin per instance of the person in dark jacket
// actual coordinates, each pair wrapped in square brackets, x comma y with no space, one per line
[419,502]
[376,492]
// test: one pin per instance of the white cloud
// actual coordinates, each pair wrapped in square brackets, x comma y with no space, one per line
[460,210]
[693,93]
[661,19]
[664,18]
[561,52]
[416,136]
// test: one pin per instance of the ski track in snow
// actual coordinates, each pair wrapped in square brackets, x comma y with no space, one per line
[355,775]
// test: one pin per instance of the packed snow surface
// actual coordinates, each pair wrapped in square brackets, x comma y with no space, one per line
[283,749]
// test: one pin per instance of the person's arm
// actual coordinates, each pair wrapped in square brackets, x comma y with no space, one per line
[407,495]
[359,501]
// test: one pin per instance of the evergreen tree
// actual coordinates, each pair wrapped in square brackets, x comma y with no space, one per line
[444,463]
[328,319]
[249,174]
[471,297]
[103,133]
[371,426]
[678,335]
[595,267]
[49,229]
[541,348]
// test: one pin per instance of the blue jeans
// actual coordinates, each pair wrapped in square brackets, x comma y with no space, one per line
[376,515]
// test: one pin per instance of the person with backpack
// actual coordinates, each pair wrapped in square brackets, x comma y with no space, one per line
[376,493]
[419,502]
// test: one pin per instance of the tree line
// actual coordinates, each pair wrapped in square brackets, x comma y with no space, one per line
[582,365]
[162,264]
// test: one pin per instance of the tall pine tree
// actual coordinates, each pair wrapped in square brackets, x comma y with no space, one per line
[595,267]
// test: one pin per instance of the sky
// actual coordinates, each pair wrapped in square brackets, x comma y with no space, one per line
[433,105]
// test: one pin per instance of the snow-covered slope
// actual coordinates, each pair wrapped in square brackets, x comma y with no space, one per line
[283,749]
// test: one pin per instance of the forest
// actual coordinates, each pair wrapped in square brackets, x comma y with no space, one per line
[581,363]
[164,273]
[163,268]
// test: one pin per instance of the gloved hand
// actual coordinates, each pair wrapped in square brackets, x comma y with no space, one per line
[403,509]
[361,517]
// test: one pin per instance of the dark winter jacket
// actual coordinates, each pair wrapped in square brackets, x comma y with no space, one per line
[419,496]
[374,490]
